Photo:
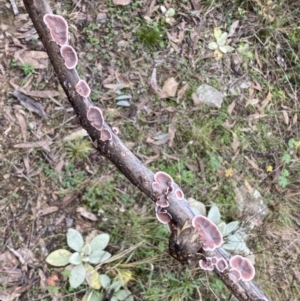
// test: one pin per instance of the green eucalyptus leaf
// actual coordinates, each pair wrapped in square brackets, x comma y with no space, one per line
[113,298]
[213,46]
[59,258]
[77,275]
[231,227]
[221,41]
[122,294]
[93,296]
[226,48]
[92,277]
[217,33]
[234,243]
[75,258]
[99,256]
[197,207]
[170,13]
[104,280]
[99,242]
[222,228]
[214,215]
[87,249]
[74,240]
[116,285]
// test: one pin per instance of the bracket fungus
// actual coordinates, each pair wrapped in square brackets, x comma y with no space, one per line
[58,27]
[83,89]
[234,275]
[221,264]
[95,116]
[162,188]
[206,265]
[105,135]
[209,233]
[244,266]
[162,215]
[115,130]
[70,57]
[179,194]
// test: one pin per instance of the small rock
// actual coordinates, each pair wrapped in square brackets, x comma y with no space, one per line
[101,18]
[208,95]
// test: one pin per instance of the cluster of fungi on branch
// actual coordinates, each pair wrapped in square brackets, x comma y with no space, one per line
[239,268]
[58,28]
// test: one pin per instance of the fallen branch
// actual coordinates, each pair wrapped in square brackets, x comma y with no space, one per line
[184,246]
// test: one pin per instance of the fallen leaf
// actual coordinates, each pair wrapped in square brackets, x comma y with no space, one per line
[52,280]
[170,86]
[252,163]
[233,28]
[30,104]
[83,212]
[47,210]
[38,59]
[22,124]
[235,143]
[286,117]
[42,143]
[182,91]
[121,2]
[76,134]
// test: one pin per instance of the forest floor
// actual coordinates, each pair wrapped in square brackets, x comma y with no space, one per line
[52,178]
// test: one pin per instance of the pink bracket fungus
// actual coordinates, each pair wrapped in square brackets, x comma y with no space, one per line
[206,265]
[162,215]
[213,260]
[234,275]
[105,135]
[115,130]
[70,57]
[58,27]
[209,233]
[179,194]
[83,89]
[162,188]
[95,116]
[244,266]
[221,264]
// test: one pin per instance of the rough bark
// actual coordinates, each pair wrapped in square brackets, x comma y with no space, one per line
[183,245]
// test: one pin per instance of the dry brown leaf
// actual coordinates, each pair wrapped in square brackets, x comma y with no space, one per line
[153,83]
[170,86]
[252,163]
[182,91]
[83,212]
[233,28]
[230,108]
[121,2]
[235,142]
[286,117]
[38,59]
[22,124]
[171,132]
[253,102]
[47,210]
[160,142]
[42,143]
[76,134]
[256,116]
[265,102]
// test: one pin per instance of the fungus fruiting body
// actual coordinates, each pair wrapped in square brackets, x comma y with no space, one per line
[58,27]
[115,130]
[213,260]
[206,265]
[162,215]
[244,266]
[221,264]
[234,275]
[83,89]
[105,135]
[95,116]
[162,188]
[70,57]
[179,194]
[209,233]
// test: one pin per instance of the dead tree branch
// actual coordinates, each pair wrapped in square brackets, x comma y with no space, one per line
[182,245]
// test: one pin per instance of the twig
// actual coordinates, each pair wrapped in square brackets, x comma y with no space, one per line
[14,7]
[128,164]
